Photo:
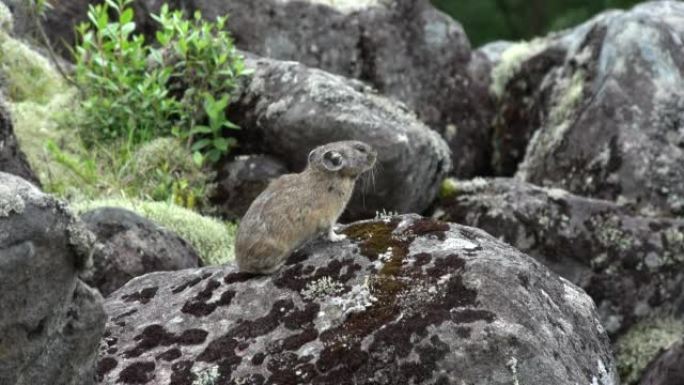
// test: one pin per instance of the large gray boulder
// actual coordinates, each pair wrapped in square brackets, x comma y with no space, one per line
[286,109]
[50,321]
[610,117]
[629,264]
[522,81]
[405,300]
[406,49]
[132,246]
[12,159]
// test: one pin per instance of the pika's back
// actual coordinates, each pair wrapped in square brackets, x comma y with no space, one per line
[296,207]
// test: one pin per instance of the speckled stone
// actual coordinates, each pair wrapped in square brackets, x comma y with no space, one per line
[405,300]
[603,104]
[629,264]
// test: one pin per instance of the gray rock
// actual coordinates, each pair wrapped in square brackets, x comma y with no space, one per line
[521,83]
[406,49]
[630,265]
[286,109]
[241,180]
[12,159]
[50,321]
[612,127]
[668,369]
[405,300]
[133,246]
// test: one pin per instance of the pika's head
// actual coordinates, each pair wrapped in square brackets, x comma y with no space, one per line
[349,158]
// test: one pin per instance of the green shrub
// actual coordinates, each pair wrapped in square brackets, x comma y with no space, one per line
[163,170]
[135,91]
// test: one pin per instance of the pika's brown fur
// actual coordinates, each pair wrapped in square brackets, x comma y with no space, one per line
[296,207]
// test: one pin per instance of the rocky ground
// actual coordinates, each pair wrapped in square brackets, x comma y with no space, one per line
[549,175]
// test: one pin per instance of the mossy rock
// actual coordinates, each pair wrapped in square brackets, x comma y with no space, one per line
[212,238]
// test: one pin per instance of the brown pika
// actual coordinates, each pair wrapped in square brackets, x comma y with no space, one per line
[296,207]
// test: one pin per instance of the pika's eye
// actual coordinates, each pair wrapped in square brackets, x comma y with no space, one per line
[333,160]
[361,148]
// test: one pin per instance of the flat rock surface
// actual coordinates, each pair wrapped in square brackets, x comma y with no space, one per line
[403,300]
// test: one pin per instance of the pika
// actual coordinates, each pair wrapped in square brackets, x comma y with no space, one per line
[294,208]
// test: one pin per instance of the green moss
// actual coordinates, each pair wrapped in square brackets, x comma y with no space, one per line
[642,344]
[213,239]
[567,98]
[44,108]
[375,238]
[511,61]
[26,74]
[451,187]
[448,188]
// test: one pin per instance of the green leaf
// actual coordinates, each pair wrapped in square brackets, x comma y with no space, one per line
[200,144]
[197,158]
[231,125]
[221,144]
[126,16]
[201,130]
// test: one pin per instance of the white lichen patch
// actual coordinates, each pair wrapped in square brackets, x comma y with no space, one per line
[556,194]
[512,365]
[458,243]
[347,6]
[207,376]
[10,202]
[511,61]
[335,309]
[577,299]
[567,95]
[605,376]
[642,343]
[385,216]
[609,233]
[321,288]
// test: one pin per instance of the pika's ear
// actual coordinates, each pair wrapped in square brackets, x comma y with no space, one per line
[333,161]
[311,156]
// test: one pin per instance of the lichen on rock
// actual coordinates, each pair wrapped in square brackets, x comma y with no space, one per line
[404,300]
[642,344]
